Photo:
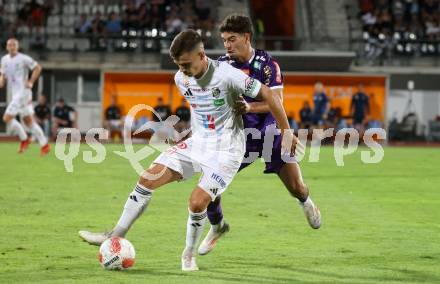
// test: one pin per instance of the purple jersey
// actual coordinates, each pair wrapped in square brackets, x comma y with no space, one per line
[266,70]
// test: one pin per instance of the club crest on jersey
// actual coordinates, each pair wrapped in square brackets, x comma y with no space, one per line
[216,92]
[257,65]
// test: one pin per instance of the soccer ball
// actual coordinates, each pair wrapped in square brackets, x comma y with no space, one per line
[116,253]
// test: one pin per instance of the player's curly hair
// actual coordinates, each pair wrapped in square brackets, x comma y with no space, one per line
[185,41]
[237,23]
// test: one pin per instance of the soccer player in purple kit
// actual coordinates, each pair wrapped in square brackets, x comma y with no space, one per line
[236,32]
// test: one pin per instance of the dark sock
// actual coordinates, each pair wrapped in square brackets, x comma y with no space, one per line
[215,213]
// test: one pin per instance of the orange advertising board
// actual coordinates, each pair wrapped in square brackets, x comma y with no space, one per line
[145,88]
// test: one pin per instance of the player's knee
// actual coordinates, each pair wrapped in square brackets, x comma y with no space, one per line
[197,205]
[147,182]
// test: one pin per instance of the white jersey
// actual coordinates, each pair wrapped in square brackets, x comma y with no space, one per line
[16,70]
[212,98]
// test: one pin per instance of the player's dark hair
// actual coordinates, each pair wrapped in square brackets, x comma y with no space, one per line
[185,41]
[237,23]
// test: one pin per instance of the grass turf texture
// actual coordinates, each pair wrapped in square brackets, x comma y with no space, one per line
[380,222]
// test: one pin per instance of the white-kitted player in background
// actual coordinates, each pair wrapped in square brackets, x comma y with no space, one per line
[14,71]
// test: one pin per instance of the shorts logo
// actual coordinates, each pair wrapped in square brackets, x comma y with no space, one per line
[214,191]
[218,179]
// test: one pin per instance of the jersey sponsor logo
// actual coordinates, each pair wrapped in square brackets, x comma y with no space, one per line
[208,121]
[249,85]
[219,102]
[267,74]
[218,179]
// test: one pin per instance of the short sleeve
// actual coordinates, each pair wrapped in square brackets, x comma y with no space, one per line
[272,76]
[30,62]
[239,81]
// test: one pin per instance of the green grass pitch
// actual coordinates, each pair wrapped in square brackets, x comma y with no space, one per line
[381,222]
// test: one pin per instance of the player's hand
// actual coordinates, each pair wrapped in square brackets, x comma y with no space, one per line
[29,84]
[291,145]
[241,106]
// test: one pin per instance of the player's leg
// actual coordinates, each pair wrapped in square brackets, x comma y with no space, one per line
[14,126]
[219,226]
[138,200]
[36,131]
[198,202]
[290,175]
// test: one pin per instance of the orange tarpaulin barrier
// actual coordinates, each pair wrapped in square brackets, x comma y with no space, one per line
[144,88]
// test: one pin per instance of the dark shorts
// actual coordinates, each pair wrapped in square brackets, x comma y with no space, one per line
[273,159]
[358,119]
[318,119]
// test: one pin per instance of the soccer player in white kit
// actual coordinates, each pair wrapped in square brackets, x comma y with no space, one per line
[217,144]
[14,70]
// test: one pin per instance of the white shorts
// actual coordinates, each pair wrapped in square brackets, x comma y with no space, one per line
[21,104]
[218,168]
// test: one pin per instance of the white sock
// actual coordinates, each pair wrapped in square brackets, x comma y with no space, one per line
[194,229]
[38,133]
[307,202]
[17,129]
[136,203]
[218,226]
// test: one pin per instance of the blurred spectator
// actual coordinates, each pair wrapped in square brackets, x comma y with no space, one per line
[360,108]
[173,23]
[98,25]
[42,114]
[162,110]
[83,25]
[113,121]
[169,16]
[184,114]
[320,105]
[333,117]
[305,115]
[63,116]
[113,24]
[204,14]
